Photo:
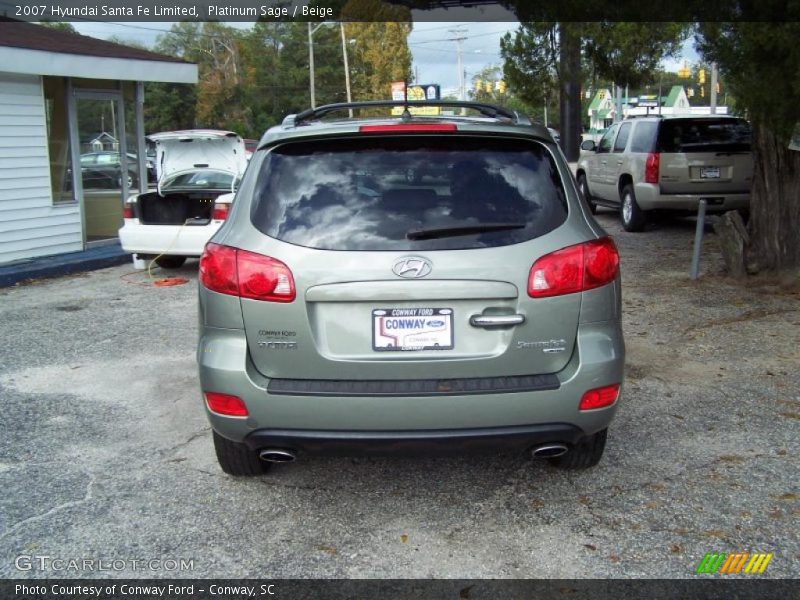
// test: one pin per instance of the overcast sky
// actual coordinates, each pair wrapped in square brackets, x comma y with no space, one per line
[431,43]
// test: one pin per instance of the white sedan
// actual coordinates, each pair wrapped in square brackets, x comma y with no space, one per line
[197,174]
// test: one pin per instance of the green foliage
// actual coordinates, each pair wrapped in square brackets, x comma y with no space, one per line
[625,53]
[531,62]
[59,25]
[761,62]
[629,53]
[250,80]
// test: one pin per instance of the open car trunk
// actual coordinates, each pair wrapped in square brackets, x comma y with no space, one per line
[176,208]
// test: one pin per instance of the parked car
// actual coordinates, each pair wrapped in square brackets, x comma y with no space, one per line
[399,284]
[668,163]
[198,173]
[103,170]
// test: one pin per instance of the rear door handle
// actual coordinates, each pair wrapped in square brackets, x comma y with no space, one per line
[496,320]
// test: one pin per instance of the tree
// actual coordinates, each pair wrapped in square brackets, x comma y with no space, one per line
[761,62]
[484,86]
[543,57]
[379,54]
[59,25]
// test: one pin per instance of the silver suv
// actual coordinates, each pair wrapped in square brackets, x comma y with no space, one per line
[659,163]
[398,283]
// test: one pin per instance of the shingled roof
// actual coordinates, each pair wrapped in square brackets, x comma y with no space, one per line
[18,34]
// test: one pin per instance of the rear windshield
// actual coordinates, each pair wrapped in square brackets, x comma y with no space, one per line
[408,193]
[704,135]
[201,180]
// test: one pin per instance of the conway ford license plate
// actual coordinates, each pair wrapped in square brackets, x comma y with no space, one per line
[709,172]
[408,329]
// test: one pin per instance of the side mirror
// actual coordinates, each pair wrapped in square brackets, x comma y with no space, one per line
[589,146]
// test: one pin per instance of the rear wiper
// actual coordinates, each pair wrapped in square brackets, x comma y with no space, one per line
[442,232]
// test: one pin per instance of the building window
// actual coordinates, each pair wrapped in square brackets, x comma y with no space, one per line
[58,144]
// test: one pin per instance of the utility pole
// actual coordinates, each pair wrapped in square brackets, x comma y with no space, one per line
[346,68]
[713,88]
[311,33]
[459,32]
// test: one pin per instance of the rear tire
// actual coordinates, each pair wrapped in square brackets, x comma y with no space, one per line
[633,218]
[237,459]
[170,262]
[586,453]
[583,188]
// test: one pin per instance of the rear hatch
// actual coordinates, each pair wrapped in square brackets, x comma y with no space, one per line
[705,156]
[181,151]
[396,245]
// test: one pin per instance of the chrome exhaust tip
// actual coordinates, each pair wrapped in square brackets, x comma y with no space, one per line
[276,455]
[549,450]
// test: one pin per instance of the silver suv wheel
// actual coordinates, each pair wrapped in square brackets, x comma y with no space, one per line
[633,217]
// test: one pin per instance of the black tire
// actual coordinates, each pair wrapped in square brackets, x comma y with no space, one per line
[583,188]
[170,262]
[633,218]
[237,459]
[586,453]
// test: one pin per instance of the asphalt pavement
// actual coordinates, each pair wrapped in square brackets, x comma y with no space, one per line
[105,452]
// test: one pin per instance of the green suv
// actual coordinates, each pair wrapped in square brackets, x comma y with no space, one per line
[398,283]
[649,164]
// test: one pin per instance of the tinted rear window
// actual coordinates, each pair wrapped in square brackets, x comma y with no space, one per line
[408,193]
[704,135]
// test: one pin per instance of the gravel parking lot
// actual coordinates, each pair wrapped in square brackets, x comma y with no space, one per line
[105,451]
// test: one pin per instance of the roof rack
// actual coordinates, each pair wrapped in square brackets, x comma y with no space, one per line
[488,110]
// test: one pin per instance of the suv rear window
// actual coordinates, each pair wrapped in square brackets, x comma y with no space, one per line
[408,193]
[704,135]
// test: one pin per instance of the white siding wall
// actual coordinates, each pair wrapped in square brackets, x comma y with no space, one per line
[30,225]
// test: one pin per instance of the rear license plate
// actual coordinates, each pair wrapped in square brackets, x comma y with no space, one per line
[409,329]
[709,172]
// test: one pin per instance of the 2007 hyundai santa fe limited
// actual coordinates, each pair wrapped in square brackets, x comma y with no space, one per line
[406,283]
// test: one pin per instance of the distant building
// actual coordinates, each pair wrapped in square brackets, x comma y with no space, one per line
[55,87]
[601,112]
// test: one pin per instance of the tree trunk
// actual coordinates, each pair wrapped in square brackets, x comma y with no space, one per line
[774,225]
[569,66]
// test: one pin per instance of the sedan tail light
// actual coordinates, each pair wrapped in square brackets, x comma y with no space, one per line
[651,167]
[220,211]
[245,274]
[127,211]
[574,269]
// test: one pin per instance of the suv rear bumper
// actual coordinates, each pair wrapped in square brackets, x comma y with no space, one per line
[649,197]
[316,422]
[446,441]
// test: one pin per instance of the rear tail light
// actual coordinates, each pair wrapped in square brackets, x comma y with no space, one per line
[127,211]
[574,269]
[409,128]
[599,397]
[651,167]
[225,404]
[220,211]
[245,274]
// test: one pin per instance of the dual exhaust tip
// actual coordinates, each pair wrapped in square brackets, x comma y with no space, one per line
[548,450]
[278,455]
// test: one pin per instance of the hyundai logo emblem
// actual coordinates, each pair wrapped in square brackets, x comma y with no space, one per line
[412,267]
